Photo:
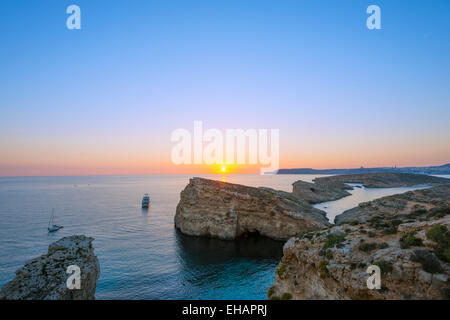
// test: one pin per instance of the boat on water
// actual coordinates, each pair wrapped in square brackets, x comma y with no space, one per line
[145,201]
[52,227]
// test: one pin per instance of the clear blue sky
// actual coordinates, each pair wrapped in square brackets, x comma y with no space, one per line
[104,99]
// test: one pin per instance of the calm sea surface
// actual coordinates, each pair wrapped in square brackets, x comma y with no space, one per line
[141,255]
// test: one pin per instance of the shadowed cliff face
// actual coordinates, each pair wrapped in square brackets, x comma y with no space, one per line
[45,277]
[226,211]
[406,235]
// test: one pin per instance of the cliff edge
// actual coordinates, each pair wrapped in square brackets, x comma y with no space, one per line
[407,236]
[226,211]
[45,277]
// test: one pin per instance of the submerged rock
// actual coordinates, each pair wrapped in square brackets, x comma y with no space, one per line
[45,277]
[407,236]
[226,211]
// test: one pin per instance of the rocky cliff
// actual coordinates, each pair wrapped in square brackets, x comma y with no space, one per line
[45,277]
[383,180]
[407,236]
[226,211]
[320,192]
[335,187]
[412,202]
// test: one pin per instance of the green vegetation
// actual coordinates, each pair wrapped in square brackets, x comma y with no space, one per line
[367,246]
[386,227]
[409,240]
[286,296]
[385,266]
[391,229]
[444,255]
[270,292]
[333,239]
[440,234]
[428,260]
[354,222]
[396,222]
[301,234]
[418,212]
[281,270]
[329,254]
[384,245]
[439,212]
[323,269]
[371,234]
[323,265]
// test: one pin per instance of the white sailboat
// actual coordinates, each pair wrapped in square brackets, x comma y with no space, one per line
[51,226]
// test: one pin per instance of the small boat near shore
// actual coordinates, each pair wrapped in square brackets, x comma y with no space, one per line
[145,201]
[52,227]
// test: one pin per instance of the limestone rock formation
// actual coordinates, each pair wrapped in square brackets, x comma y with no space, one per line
[226,211]
[320,192]
[413,202]
[335,187]
[45,277]
[384,180]
[408,239]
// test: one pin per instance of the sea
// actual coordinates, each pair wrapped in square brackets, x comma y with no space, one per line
[141,254]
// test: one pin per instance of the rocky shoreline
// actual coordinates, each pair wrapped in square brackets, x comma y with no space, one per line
[406,235]
[226,211]
[336,187]
[45,277]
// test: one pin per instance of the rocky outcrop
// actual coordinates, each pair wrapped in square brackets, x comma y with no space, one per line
[383,180]
[412,202]
[45,277]
[226,211]
[410,244]
[335,187]
[320,192]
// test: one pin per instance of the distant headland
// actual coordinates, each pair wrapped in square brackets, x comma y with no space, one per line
[444,169]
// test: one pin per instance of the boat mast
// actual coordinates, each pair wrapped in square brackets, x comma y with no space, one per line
[51,218]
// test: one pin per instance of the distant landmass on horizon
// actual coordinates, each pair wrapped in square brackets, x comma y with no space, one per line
[444,169]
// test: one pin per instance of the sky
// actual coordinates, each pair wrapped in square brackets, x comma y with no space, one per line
[105,99]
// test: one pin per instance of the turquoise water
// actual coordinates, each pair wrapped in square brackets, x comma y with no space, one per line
[141,255]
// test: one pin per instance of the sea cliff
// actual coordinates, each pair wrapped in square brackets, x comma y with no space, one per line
[45,277]
[227,211]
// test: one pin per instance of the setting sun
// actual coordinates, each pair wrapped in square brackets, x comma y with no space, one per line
[223,169]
